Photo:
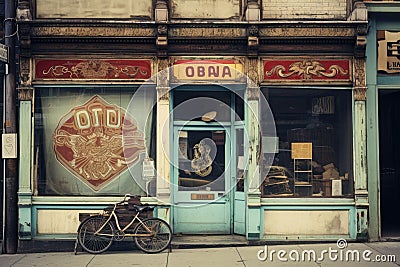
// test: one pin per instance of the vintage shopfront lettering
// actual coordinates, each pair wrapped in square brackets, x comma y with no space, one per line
[90,118]
[208,71]
[389,51]
[198,70]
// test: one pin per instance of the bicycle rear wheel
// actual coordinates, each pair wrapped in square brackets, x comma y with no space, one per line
[160,235]
[95,243]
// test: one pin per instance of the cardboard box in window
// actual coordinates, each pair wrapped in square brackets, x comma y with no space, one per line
[322,185]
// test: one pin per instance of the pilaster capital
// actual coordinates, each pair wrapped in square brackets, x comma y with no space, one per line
[359,80]
[25,93]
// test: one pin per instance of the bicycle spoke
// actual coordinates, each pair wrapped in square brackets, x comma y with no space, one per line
[95,243]
[160,238]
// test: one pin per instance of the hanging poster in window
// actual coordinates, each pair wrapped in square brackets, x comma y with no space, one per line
[87,143]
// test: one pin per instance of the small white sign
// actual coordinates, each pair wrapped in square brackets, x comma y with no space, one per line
[9,146]
[336,187]
[3,53]
[148,168]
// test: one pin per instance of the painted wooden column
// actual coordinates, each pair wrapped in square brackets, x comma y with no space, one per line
[360,148]
[372,133]
[253,174]
[25,155]
[163,140]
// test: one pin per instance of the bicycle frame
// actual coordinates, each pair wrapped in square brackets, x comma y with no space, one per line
[114,215]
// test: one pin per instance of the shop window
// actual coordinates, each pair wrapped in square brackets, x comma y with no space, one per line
[92,141]
[313,157]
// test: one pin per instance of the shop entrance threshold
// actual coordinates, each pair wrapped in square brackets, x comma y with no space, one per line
[202,241]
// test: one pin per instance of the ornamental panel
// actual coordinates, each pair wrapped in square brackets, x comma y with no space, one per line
[92,69]
[307,70]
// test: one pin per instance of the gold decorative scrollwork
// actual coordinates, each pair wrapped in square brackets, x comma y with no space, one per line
[307,70]
[94,69]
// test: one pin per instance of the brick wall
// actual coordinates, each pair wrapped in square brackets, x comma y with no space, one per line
[304,9]
[205,9]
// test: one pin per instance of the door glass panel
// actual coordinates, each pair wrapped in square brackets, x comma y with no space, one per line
[240,160]
[201,160]
[202,106]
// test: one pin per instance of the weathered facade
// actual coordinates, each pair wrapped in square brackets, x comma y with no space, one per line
[90,68]
[382,116]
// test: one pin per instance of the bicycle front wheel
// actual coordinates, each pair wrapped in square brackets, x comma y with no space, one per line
[95,243]
[154,235]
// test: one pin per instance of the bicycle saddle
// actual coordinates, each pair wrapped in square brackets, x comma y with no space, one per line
[140,208]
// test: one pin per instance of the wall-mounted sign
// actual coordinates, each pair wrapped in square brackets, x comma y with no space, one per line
[388,51]
[208,70]
[202,196]
[307,70]
[9,146]
[3,53]
[92,69]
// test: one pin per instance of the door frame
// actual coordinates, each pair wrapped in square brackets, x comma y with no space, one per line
[236,198]
[229,190]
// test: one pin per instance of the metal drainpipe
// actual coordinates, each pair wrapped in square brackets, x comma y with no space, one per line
[3,162]
[10,126]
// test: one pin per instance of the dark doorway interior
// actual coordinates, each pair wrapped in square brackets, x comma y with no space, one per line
[389,151]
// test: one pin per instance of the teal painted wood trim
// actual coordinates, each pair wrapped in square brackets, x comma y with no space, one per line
[253,223]
[25,147]
[25,160]
[58,237]
[360,147]
[163,213]
[388,82]
[25,222]
[239,213]
[307,201]
[352,218]
[382,7]
[308,207]
[324,238]
[372,134]
[82,200]
[373,163]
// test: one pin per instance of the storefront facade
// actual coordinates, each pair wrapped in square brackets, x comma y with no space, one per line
[383,81]
[240,126]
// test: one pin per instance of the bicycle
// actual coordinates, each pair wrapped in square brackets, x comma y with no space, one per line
[97,232]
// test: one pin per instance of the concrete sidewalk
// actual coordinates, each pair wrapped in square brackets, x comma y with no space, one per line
[227,256]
